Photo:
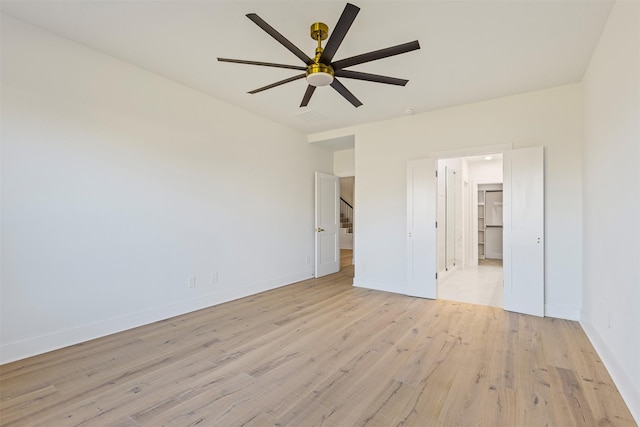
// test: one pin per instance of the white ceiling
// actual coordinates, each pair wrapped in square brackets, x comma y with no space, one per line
[470,50]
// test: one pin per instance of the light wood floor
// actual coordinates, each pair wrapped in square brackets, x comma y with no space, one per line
[322,353]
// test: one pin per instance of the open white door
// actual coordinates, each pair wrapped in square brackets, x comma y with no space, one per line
[523,252]
[327,224]
[421,228]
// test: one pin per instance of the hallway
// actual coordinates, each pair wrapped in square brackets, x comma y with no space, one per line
[480,284]
[346,259]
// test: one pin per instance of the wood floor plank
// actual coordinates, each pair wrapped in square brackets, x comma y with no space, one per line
[592,378]
[204,406]
[470,382]
[24,402]
[532,376]
[321,352]
[356,378]
[499,391]
[387,406]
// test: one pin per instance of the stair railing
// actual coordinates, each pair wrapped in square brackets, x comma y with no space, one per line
[346,214]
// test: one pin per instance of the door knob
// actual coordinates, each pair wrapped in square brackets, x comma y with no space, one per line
[319,230]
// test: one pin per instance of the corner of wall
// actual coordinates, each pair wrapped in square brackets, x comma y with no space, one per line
[630,394]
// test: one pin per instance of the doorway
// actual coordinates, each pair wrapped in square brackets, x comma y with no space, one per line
[523,240]
[347,226]
[347,219]
[469,232]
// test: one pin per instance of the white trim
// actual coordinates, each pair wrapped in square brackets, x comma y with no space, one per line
[332,134]
[630,394]
[562,312]
[37,345]
[380,288]
[446,273]
[470,151]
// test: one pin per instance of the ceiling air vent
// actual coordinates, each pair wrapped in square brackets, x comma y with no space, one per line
[310,116]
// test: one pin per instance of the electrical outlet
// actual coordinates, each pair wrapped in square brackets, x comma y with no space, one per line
[192,282]
[214,278]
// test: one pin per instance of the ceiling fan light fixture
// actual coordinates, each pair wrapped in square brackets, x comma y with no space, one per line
[319,75]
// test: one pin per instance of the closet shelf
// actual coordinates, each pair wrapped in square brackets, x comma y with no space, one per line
[490,225]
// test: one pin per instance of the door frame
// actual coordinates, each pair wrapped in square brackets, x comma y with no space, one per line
[476,151]
[353,225]
[470,152]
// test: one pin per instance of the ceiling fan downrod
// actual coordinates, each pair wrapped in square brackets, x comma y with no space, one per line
[319,74]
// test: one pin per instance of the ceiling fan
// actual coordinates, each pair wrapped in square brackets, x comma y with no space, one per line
[320,70]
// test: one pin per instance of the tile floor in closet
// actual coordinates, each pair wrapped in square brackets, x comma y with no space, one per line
[481,284]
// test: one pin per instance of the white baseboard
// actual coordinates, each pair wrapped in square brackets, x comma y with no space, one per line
[37,345]
[561,312]
[378,287]
[629,392]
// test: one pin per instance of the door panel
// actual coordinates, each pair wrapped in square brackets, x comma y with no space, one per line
[493,243]
[421,231]
[327,224]
[524,230]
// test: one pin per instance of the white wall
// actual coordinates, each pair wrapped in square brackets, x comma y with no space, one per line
[118,185]
[485,171]
[550,118]
[344,162]
[611,308]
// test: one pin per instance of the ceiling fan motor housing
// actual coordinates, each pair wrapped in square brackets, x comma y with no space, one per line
[319,75]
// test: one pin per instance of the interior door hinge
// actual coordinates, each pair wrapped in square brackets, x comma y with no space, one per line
[436,224]
[436,275]
[436,174]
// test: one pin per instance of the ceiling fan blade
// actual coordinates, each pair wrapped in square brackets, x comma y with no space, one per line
[280,38]
[370,77]
[281,82]
[265,64]
[307,95]
[345,93]
[335,40]
[376,54]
